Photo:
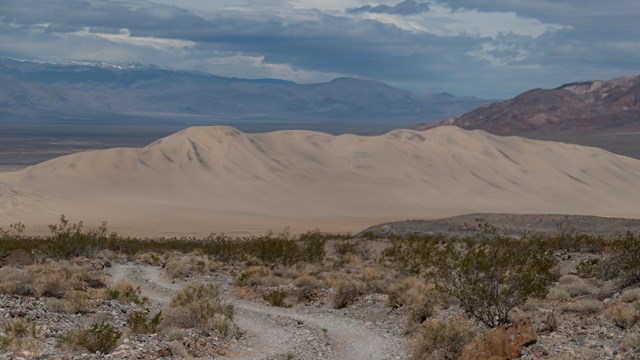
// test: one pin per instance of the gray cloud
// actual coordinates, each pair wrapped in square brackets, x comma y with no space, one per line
[406,7]
[314,45]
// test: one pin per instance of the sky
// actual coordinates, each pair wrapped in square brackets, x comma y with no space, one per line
[487,48]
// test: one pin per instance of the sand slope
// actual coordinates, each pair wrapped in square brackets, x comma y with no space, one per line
[217,179]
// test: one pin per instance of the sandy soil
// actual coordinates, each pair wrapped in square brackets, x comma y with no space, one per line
[273,331]
[218,179]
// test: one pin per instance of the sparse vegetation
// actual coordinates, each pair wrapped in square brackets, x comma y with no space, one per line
[21,334]
[583,306]
[97,338]
[437,340]
[490,277]
[623,316]
[277,298]
[126,291]
[347,292]
[200,307]
[140,322]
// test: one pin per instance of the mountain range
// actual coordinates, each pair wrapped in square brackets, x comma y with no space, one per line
[597,113]
[102,92]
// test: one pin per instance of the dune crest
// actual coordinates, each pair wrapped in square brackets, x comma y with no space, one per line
[218,179]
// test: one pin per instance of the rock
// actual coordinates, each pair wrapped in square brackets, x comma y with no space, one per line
[550,324]
[504,342]
[16,258]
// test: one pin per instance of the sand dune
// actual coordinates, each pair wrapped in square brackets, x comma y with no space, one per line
[218,179]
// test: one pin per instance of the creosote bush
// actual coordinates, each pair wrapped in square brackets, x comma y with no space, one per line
[489,275]
[491,279]
[97,338]
[140,322]
[67,240]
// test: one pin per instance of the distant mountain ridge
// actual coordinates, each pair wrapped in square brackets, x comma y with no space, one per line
[586,107]
[41,91]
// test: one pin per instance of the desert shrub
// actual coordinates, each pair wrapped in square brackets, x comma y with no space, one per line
[71,240]
[347,292]
[149,258]
[16,281]
[627,256]
[631,295]
[558,293]
[419,298]
[413,254]
[438,340]
[140,322]
[55,284]
[97,338]
[126,292]
[21,334]
[13,238]
[276,298]
[308,289]
[184,265]
[622,315]
[491,278]
[573,286]
[583,306]
[254,276]
[200,306]
[605,269]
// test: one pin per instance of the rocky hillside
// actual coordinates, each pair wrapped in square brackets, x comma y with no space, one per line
[103,92]
[583,107]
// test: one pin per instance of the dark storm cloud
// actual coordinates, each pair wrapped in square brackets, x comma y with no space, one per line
[593,39]
[407,7]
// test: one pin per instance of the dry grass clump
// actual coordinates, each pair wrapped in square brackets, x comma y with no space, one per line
[149,258]
[200,307]
[74,302]
[16,281]
[622,315]
[277,298]
[256,276]
[583,306]
[631,295]
[349,252]
[308,289]
[180,265]
[347,292]
[375,279]
[51,279]
[438,340]
[20,335]
[576,286]
[126,291]
[417,296]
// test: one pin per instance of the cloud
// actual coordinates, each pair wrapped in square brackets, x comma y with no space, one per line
[490,48]
[406,7]
[124,36]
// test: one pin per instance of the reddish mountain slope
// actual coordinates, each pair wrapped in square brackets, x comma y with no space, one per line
[590,107]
